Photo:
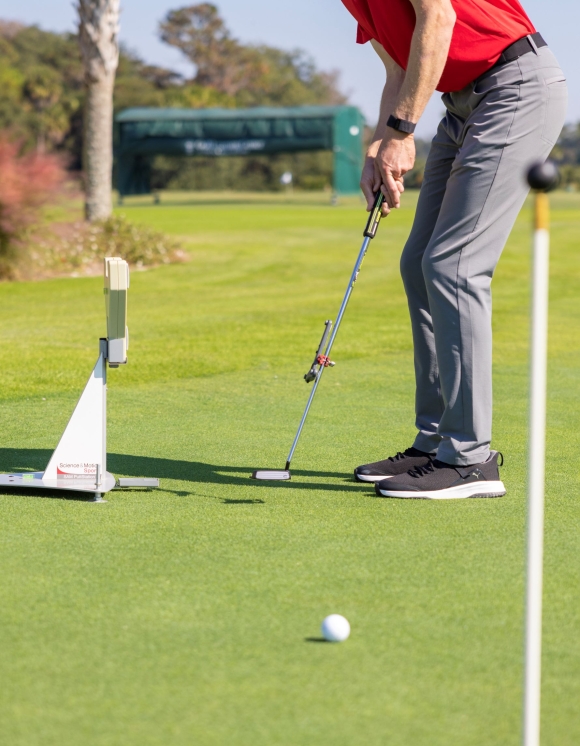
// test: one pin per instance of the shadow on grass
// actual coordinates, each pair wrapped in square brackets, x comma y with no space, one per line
[315,639]
[243,502]
[194,472]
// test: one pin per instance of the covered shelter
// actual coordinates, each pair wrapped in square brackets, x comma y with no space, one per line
[141,133]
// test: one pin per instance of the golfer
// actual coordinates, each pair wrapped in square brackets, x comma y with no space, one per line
[505,98]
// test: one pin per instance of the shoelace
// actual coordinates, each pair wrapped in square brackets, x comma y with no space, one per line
[400,456]
[422,471]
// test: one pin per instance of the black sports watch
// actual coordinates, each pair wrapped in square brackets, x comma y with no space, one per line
[401,125]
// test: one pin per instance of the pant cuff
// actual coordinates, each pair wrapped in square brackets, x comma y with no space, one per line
[449,454]
[427,442]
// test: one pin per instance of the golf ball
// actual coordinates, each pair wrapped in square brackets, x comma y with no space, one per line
[335,628]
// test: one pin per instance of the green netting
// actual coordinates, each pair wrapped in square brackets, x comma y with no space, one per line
[143,133]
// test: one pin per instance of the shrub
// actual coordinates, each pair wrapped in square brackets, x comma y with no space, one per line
[79,247]
[313,182]
[27,182]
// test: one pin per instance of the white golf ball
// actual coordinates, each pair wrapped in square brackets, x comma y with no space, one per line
[335,628]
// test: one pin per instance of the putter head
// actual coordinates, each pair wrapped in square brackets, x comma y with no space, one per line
[271,475]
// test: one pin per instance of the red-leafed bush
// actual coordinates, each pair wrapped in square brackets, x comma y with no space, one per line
[27,182]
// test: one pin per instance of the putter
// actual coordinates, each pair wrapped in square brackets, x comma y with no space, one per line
[322,358]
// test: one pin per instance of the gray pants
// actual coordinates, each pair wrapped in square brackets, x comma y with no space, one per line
[473,190]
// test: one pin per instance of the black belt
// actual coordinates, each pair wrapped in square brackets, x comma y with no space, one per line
[521,47]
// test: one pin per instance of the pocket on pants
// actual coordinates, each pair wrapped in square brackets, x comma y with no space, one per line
[556,106]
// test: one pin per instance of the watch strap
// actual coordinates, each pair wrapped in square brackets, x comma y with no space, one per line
[401,125]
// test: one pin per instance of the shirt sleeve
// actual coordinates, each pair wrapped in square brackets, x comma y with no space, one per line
[362,35]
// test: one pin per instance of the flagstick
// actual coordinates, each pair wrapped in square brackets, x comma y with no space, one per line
[539,351]
[542,177]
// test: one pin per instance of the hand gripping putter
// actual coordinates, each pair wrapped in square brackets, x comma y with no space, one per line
[322,358]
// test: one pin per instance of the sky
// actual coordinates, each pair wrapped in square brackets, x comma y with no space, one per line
[324,28]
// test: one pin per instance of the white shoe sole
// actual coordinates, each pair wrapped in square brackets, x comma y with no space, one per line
[371,478]
[472,489]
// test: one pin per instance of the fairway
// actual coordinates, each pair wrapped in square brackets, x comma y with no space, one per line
[190,615]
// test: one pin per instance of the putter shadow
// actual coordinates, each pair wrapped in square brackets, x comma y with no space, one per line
[194,472]
[315,639]
[243,502]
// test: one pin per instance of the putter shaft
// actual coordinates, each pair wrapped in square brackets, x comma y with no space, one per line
[349,289]
[323,360]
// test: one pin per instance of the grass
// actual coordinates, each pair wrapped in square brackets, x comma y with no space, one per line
[185,615]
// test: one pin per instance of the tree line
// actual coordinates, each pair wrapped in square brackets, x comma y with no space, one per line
[44,100]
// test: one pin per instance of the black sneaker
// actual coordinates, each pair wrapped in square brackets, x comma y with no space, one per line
[439,481]
[393,466]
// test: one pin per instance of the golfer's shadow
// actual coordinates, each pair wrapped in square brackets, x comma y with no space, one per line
[194,472]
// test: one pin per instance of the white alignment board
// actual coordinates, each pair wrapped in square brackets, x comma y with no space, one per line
[116,287]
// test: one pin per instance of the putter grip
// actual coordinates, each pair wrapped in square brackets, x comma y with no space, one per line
[374,217]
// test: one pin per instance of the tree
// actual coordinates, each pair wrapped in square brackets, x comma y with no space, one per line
[98,38]
[221,62]
[253,75]
[42,87]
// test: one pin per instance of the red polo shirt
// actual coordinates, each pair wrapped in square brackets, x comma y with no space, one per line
[484,28]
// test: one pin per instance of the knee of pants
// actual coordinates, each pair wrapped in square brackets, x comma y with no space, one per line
[435,272]
[410,266]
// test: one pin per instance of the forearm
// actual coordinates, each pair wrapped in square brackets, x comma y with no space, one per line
[389,101]
[370,178]
[427,58]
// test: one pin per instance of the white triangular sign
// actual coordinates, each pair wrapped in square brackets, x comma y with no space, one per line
[82,446]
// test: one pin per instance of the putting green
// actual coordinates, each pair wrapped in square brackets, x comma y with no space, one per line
[190,614]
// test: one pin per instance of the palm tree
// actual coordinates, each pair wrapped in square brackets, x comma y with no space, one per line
[98,38]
